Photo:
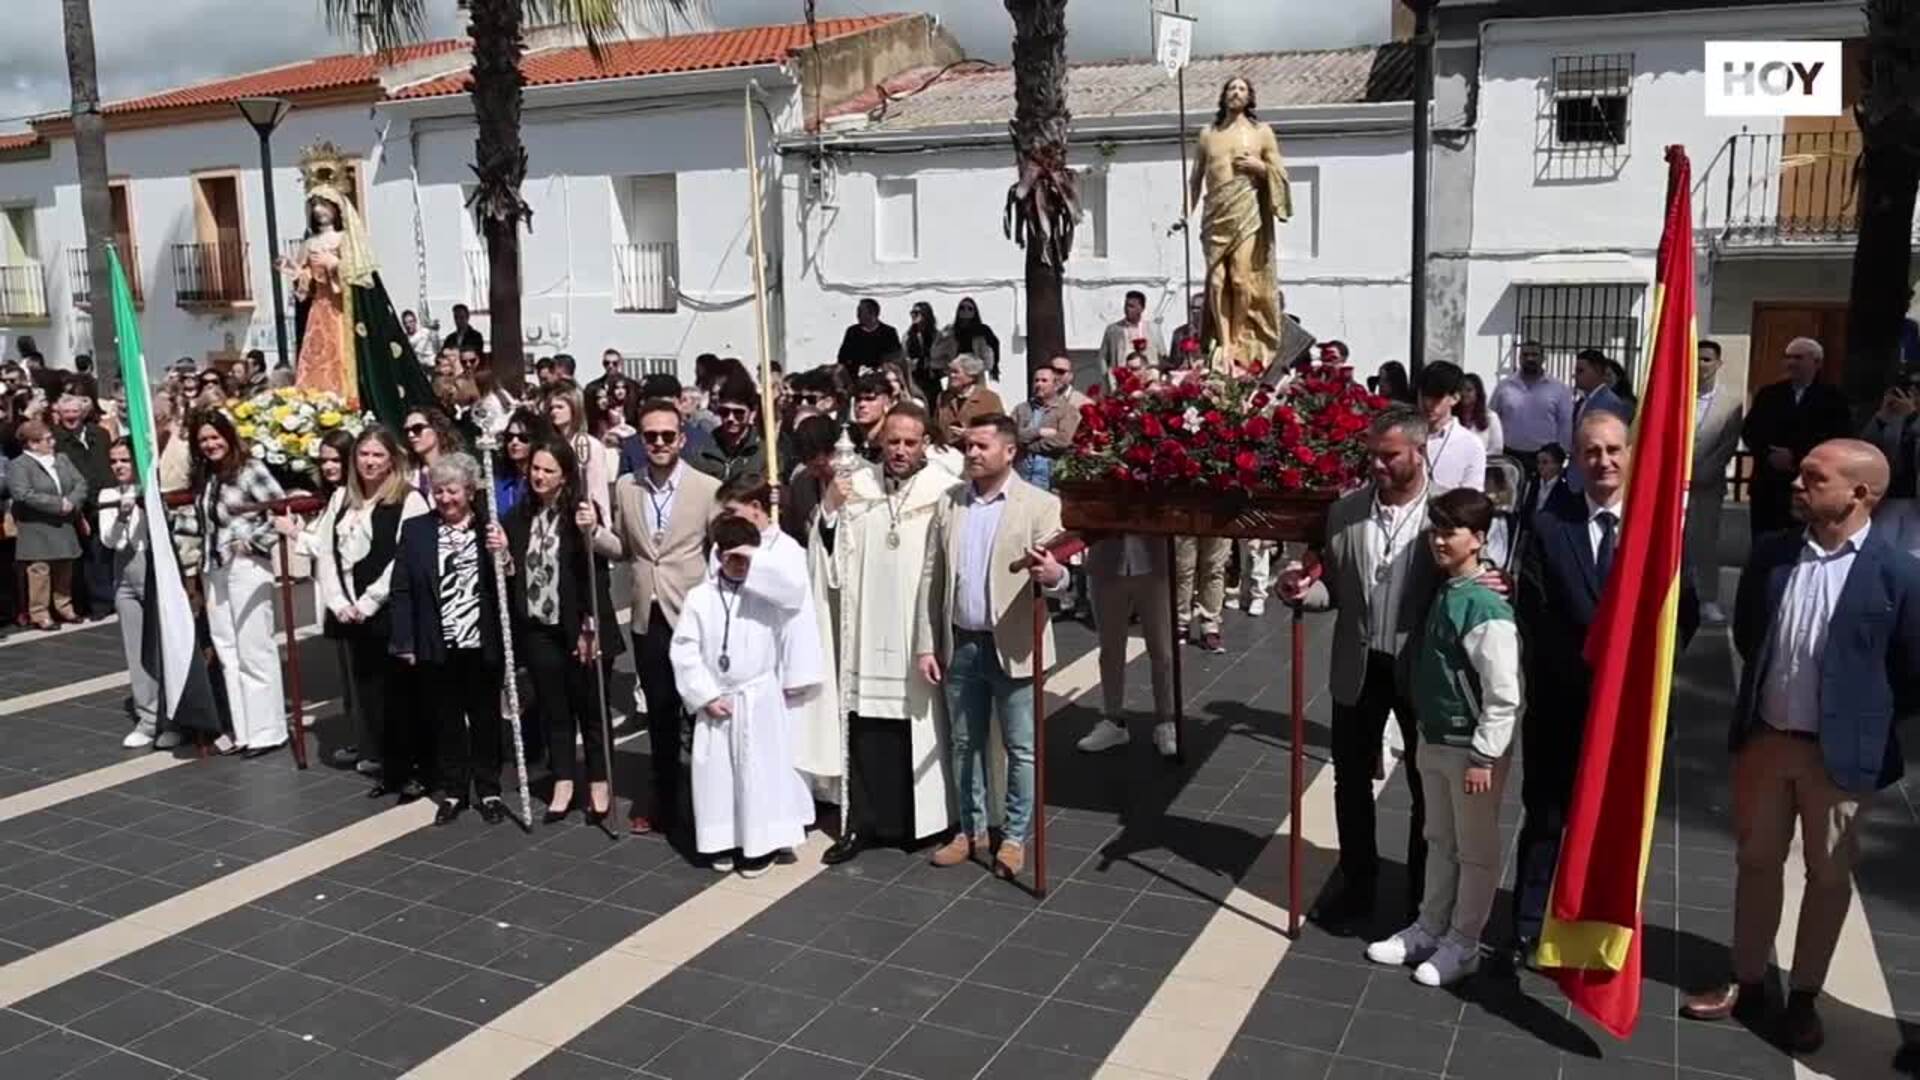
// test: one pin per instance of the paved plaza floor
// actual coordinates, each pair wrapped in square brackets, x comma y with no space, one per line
[221,918]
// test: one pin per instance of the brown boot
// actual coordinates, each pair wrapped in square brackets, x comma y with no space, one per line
[957,850]
[1011,858]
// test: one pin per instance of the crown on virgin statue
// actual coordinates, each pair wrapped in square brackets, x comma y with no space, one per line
[322,165]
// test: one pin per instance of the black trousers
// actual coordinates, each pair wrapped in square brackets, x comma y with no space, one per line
[466,695]
[563,694]
[93,578]
[1357,730]
[383,691]
[880,778]
[1551,730]
[666,717]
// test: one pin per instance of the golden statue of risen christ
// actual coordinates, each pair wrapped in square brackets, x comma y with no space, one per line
[1238,164]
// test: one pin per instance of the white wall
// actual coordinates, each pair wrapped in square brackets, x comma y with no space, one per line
[1343,256]
[1542,218]
[30,185]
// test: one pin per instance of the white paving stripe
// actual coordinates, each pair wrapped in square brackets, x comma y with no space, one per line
[560,1012]
[56,694]
[120,772]
[51,966]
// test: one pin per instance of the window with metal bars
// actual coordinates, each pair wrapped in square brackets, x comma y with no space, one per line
[1590,97]
[639,367]
[1565,319]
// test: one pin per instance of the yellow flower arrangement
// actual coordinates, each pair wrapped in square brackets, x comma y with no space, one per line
[282,428]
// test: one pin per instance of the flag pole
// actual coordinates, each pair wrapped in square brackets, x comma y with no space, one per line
[769,422]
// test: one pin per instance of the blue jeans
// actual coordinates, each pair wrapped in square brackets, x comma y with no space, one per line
[976,685]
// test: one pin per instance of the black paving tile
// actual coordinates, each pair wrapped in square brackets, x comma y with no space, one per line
[410,1037]
[688,994]
[927,1052]
[710,1054]
[268,1055]
[765,1013]
[340,1018]
[862,936]
[1013,967]
[1070,1028]
[55,1053]
[561,1065]
[194,1037]
[858,1035]
[985,1010]
[629,1037]
[481,996]
[120,1065]
[69,1001]
[897,990]
[821,974]
[787,1063]
[1399,1041]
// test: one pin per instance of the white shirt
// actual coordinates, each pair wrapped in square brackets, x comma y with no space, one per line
[1389,533]
[47,462]
[1703,405]
[659,508]
[1790,695]
[972,607]
[1594,529]
[1456,458]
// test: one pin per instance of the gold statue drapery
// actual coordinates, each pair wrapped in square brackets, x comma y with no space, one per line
[1246,193]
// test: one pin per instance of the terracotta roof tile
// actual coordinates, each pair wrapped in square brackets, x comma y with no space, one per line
[321,73]
[709,51]
[18,140]
[1110,89]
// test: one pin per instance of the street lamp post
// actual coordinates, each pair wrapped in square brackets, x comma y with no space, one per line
[265,114]
[1422,151]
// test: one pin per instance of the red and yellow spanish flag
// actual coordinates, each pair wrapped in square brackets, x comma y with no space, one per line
[1592,935]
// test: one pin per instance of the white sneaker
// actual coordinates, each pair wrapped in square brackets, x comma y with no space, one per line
[723,864]
[1233,602]
[1412,945]
[1712,614]
[1105,736]
[168,740]
[1165,739]
[1452,961]
[754,868]
[1257,606]
[136,740]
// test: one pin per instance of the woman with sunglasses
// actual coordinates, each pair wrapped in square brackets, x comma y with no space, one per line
[230,493]
[557,623]
[923,333]
[309,539]
[567,412]
[430,434]
[524,428]
[211,389]
[353,575]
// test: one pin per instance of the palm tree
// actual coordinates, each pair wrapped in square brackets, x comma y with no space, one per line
[1888,177]
[1043,205]
[500,160]
[90,154]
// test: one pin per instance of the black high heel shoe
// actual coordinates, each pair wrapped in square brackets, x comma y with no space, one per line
[553,816]
[597,818]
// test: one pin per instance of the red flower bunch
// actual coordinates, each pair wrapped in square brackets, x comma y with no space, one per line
[1227,433]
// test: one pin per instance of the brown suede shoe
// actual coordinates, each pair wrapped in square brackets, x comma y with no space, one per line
[957,850]
[1746,1002]
[1011,858]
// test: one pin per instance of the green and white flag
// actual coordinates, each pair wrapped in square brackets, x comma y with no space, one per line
[170,650]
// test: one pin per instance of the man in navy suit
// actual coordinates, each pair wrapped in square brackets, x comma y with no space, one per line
[1788,419]
[1564,570]
[1593,392]
[1827,622]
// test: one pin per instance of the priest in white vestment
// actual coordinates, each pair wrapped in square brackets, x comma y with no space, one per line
[740,657]
[867,543]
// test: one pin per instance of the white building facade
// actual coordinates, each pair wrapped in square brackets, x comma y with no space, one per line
[1550,185]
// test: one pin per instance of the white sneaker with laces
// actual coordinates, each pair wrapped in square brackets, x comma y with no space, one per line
[1712,614]
[1105,736]
[1165,739]
[137,740]
[1412,945]
[168,740]
[1257,606]
[1452,961]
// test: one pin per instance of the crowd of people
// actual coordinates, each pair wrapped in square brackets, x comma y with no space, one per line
[845,627]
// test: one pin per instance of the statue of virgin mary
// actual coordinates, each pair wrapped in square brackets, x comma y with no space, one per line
[351,341]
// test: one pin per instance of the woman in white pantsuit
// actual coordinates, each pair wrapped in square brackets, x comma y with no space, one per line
[230,491]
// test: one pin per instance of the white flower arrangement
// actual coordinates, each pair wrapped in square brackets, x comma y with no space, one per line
[283,427]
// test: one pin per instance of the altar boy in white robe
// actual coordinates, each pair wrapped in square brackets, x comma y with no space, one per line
[868,545]
[739,662]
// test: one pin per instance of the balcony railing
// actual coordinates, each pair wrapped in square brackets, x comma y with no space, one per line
[80,279]
[1784,188]
[479,279]
[646,276]
[23,291]
[211,273]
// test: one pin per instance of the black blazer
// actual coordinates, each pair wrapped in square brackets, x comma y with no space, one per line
[574,605]
[415,596]
[1559,593]
[1775,420]
[1870,670]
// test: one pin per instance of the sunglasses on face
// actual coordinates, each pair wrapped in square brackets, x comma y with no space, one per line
[732,412]
[518,436]
[813,399]
[659,438]
[414,431]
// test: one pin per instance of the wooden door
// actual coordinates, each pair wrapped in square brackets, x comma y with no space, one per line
[1776,324]
[1817,159]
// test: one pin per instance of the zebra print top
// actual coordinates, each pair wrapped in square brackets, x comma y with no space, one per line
[460,612]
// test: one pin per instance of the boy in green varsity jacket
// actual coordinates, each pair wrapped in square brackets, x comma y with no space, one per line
[1466,693]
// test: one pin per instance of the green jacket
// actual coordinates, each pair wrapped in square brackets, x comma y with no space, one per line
[1466,683]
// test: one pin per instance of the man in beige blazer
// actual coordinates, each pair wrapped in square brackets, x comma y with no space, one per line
[1717,415]
[660,518]
[973,628]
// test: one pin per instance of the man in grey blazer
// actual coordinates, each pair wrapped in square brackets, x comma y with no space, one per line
[1377,576]
[973,630]
[1717,413]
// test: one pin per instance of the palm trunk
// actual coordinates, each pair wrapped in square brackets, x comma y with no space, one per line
[96,204]
[501,167]
[1888,179]
[1043,205]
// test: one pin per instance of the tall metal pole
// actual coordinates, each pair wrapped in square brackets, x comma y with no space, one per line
[1422,149]
[1186,235]
[273,245]
[769,423]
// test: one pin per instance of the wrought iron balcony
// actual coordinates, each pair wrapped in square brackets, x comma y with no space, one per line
[646,276]
[80,279]
[1783,189]
[23,290]
[211,273]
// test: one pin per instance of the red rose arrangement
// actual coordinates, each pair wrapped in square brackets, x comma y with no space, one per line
[1227,433]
